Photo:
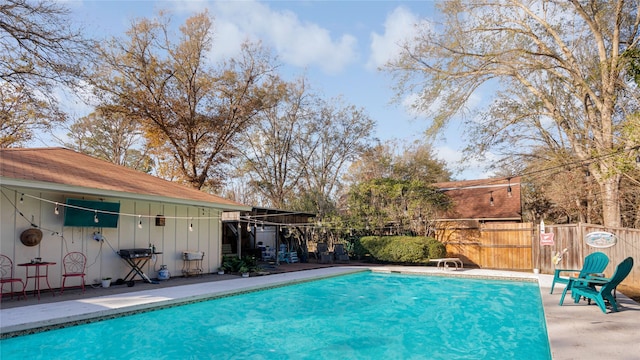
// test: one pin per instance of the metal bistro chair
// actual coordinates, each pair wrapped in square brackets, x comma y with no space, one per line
[7,277]
[74,264]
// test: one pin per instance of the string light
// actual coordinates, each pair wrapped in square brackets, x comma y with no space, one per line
[106,212]
[216,217]
[140,222]
[509,192]
[56,210]
[191,224]
[191,218]
[509,188]
[491,199]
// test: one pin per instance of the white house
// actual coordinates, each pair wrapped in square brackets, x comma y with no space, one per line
[75,199]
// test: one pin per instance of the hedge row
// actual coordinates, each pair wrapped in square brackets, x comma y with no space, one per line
[399,249]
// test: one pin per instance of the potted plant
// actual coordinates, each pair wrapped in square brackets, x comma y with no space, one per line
[244,271]
[229,264]
[221,270]
[106,282]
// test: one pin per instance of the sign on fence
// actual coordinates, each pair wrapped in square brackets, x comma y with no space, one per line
[546,239]
[600,239]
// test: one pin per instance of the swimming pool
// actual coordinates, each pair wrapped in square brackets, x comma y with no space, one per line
[357,316]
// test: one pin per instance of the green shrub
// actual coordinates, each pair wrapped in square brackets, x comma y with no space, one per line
[399,249]
[436,249]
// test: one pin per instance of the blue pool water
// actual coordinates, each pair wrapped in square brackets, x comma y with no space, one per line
[358,316]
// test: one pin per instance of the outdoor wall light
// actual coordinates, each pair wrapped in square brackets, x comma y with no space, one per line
[160,220]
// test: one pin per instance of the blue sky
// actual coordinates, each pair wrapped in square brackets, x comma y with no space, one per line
[337,45]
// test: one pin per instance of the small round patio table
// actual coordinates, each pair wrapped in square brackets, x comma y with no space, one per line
[38,274]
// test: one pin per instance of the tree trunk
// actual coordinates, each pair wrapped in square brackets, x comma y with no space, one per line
[610,189]
[581,215]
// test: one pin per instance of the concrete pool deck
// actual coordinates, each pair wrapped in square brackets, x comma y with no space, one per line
[576,331]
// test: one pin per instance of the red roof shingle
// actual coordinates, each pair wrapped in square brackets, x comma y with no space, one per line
[472,199]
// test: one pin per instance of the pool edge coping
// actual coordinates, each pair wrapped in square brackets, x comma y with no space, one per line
[27,328]
[574,331]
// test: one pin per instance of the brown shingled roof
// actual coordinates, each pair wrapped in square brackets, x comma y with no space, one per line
[471,199]
[67,167]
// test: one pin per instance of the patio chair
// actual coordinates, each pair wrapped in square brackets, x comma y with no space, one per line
[587,287]
[7,277]
[74,264]
[594,263]
[340,253]
[323,254]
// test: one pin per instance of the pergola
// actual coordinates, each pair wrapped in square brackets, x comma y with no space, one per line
[241,229]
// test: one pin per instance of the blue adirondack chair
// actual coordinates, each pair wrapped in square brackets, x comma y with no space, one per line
[594,263]
[587,287]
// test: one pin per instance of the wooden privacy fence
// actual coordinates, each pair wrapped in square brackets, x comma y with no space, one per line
[516,246]
[491,245]
[571,237]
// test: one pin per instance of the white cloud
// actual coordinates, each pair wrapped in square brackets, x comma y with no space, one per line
[295,42]
[398,27]
[227,41]
[188,6]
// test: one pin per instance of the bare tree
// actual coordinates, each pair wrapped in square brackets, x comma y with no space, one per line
[111,137]
[38,52]
[191,111]
[337,135]
[297,154]
[560,72]
[375,163]
[269,159]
